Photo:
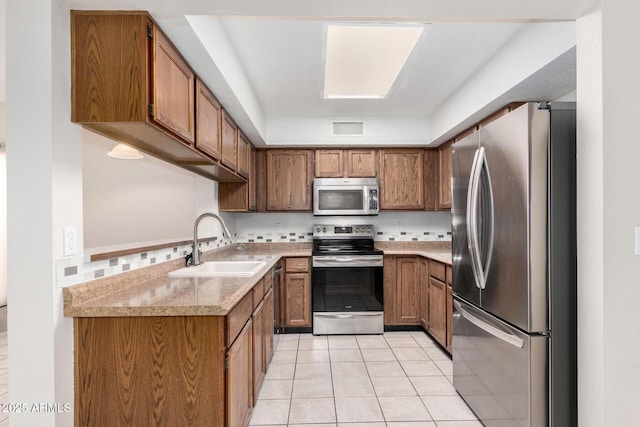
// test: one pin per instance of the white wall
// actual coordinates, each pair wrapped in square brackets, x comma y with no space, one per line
[133,202]
[44,172]
[3,206]
[621,208]
[590,224]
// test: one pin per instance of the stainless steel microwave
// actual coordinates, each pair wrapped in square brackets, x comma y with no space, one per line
[345,196]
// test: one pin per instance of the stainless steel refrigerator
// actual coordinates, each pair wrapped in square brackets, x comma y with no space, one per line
[514,268]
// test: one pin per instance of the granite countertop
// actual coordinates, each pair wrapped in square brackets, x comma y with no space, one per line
[438,251]
[153,293]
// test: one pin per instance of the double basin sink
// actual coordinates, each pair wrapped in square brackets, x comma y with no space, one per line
[220,269]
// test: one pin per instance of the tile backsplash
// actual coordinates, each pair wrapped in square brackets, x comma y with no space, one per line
[396,226]
[265,228]
[74,270]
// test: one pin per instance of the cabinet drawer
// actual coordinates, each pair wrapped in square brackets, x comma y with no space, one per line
[437,270]
[297,265]
[258,293]
[268,282]
[449,275]
[238,316]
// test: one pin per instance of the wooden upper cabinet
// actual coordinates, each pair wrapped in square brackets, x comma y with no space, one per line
[445,177]
[329,164]
[431,179]
[229,141]
[173,89]
[346,163]
[361,163]
[402,179]
[244,154]
[208,123]
[289,178]
[129,83]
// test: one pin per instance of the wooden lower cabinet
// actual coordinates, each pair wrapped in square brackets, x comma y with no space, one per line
[403,278]
[437,322]
[424,295]
[297,293]
[259,367]
[449,345]
[239,377]
[138,371]
[173,370]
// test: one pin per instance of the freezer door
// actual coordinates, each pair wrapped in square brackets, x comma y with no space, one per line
[515,147]
[499,371]
[462,158]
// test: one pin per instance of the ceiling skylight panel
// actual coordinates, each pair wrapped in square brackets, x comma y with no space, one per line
[363,61]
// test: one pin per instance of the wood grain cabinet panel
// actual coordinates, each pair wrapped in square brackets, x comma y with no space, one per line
[445,177]
[346,163]
[268,327]
[244,154]
[259,366]
[361,163]
[437,320]
[289,177]
[173,89]
[329,163]
[297,304]
[129,83]
[449,314]
[208,121]
[403,280]
[239,379]
[424,294]
[229,141]
[431,180]
[402,179]
[139,371]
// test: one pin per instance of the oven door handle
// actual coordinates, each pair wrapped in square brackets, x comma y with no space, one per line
[347,262]
[347,315]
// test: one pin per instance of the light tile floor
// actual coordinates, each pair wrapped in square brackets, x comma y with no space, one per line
[399,379]
[4,375]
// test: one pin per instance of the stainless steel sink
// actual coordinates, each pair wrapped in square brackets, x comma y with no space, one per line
[220,268]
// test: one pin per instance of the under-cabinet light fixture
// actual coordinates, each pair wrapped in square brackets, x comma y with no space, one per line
[363,61]
[123,151]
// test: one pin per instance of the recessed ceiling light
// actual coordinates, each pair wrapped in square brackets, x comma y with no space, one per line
[363,61]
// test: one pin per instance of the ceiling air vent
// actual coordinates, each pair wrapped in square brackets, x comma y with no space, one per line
[347,128]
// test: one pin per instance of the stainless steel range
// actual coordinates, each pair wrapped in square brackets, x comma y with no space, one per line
[347,280]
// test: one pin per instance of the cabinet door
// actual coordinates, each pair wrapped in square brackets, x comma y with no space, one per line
[431,180]
[402,179]
[297,303]
[424,294]
[361,163]
[268,328]
[229,142]
[445,177]
[209,117]
[407,295]
[251,180]
[289,180]
[449,309]
[173,89]
[259,367]
[329,164]
[239,398]
[438,310]
[244,151]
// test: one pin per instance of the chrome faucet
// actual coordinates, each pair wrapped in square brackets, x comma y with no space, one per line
[195,255]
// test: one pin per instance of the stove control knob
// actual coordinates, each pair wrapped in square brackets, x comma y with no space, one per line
[317,229]
[324,229]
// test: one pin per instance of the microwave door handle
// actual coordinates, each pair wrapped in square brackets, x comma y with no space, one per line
[365,204]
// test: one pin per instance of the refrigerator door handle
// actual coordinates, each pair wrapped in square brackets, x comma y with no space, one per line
[504,336]
[480,271]
[472,231]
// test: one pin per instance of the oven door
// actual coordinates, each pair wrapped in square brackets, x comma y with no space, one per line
[347,295]
[340,200]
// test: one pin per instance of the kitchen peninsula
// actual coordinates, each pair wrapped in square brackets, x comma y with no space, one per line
[150,348]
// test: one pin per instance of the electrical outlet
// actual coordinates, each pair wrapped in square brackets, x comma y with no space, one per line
[70,241]
[277,228]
